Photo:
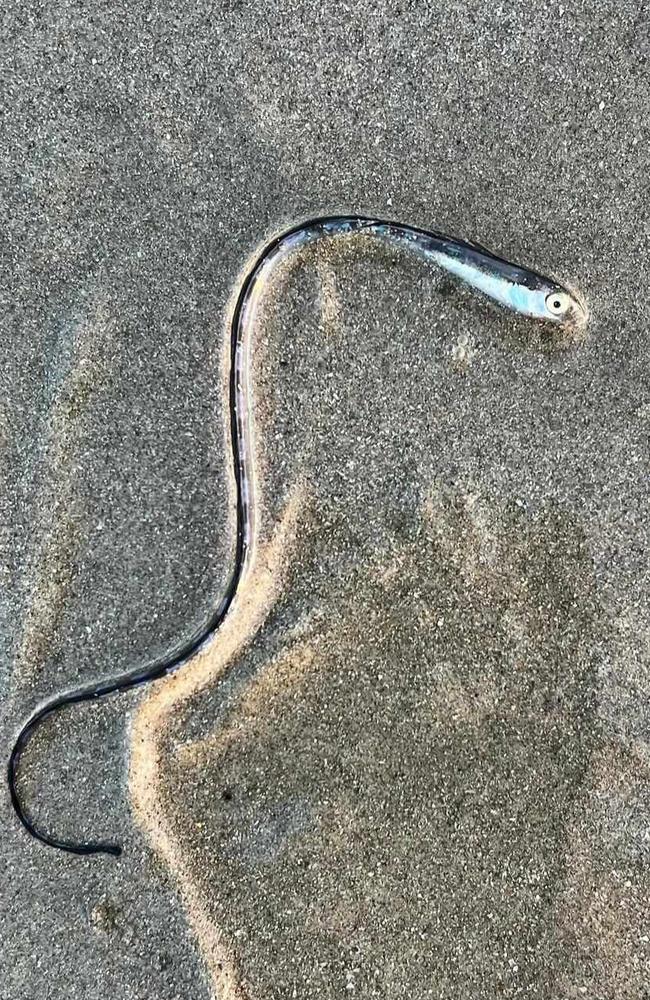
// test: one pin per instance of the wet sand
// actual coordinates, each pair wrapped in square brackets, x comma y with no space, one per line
[417,763]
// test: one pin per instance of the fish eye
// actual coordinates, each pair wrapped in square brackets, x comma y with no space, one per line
[558,303]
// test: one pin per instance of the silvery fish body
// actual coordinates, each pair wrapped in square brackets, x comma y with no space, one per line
[517,288]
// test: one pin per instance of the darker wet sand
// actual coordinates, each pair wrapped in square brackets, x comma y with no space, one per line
[418,766]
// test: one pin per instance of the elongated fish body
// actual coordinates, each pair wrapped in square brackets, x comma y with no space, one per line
[516,288]
[521,290]
[512,286]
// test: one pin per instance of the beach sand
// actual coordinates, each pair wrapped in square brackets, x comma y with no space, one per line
[415,763]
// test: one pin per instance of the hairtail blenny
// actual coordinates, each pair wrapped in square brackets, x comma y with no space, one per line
[517,288]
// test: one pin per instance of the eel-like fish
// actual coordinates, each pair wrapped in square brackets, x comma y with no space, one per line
[517,288]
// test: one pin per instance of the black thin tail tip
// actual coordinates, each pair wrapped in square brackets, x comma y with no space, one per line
[85,850]
[114,850]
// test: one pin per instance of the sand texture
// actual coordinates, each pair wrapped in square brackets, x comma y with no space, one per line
[415,763]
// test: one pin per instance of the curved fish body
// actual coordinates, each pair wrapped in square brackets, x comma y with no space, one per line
[517,288]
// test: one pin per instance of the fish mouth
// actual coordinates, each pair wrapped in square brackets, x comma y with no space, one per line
[579,309]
